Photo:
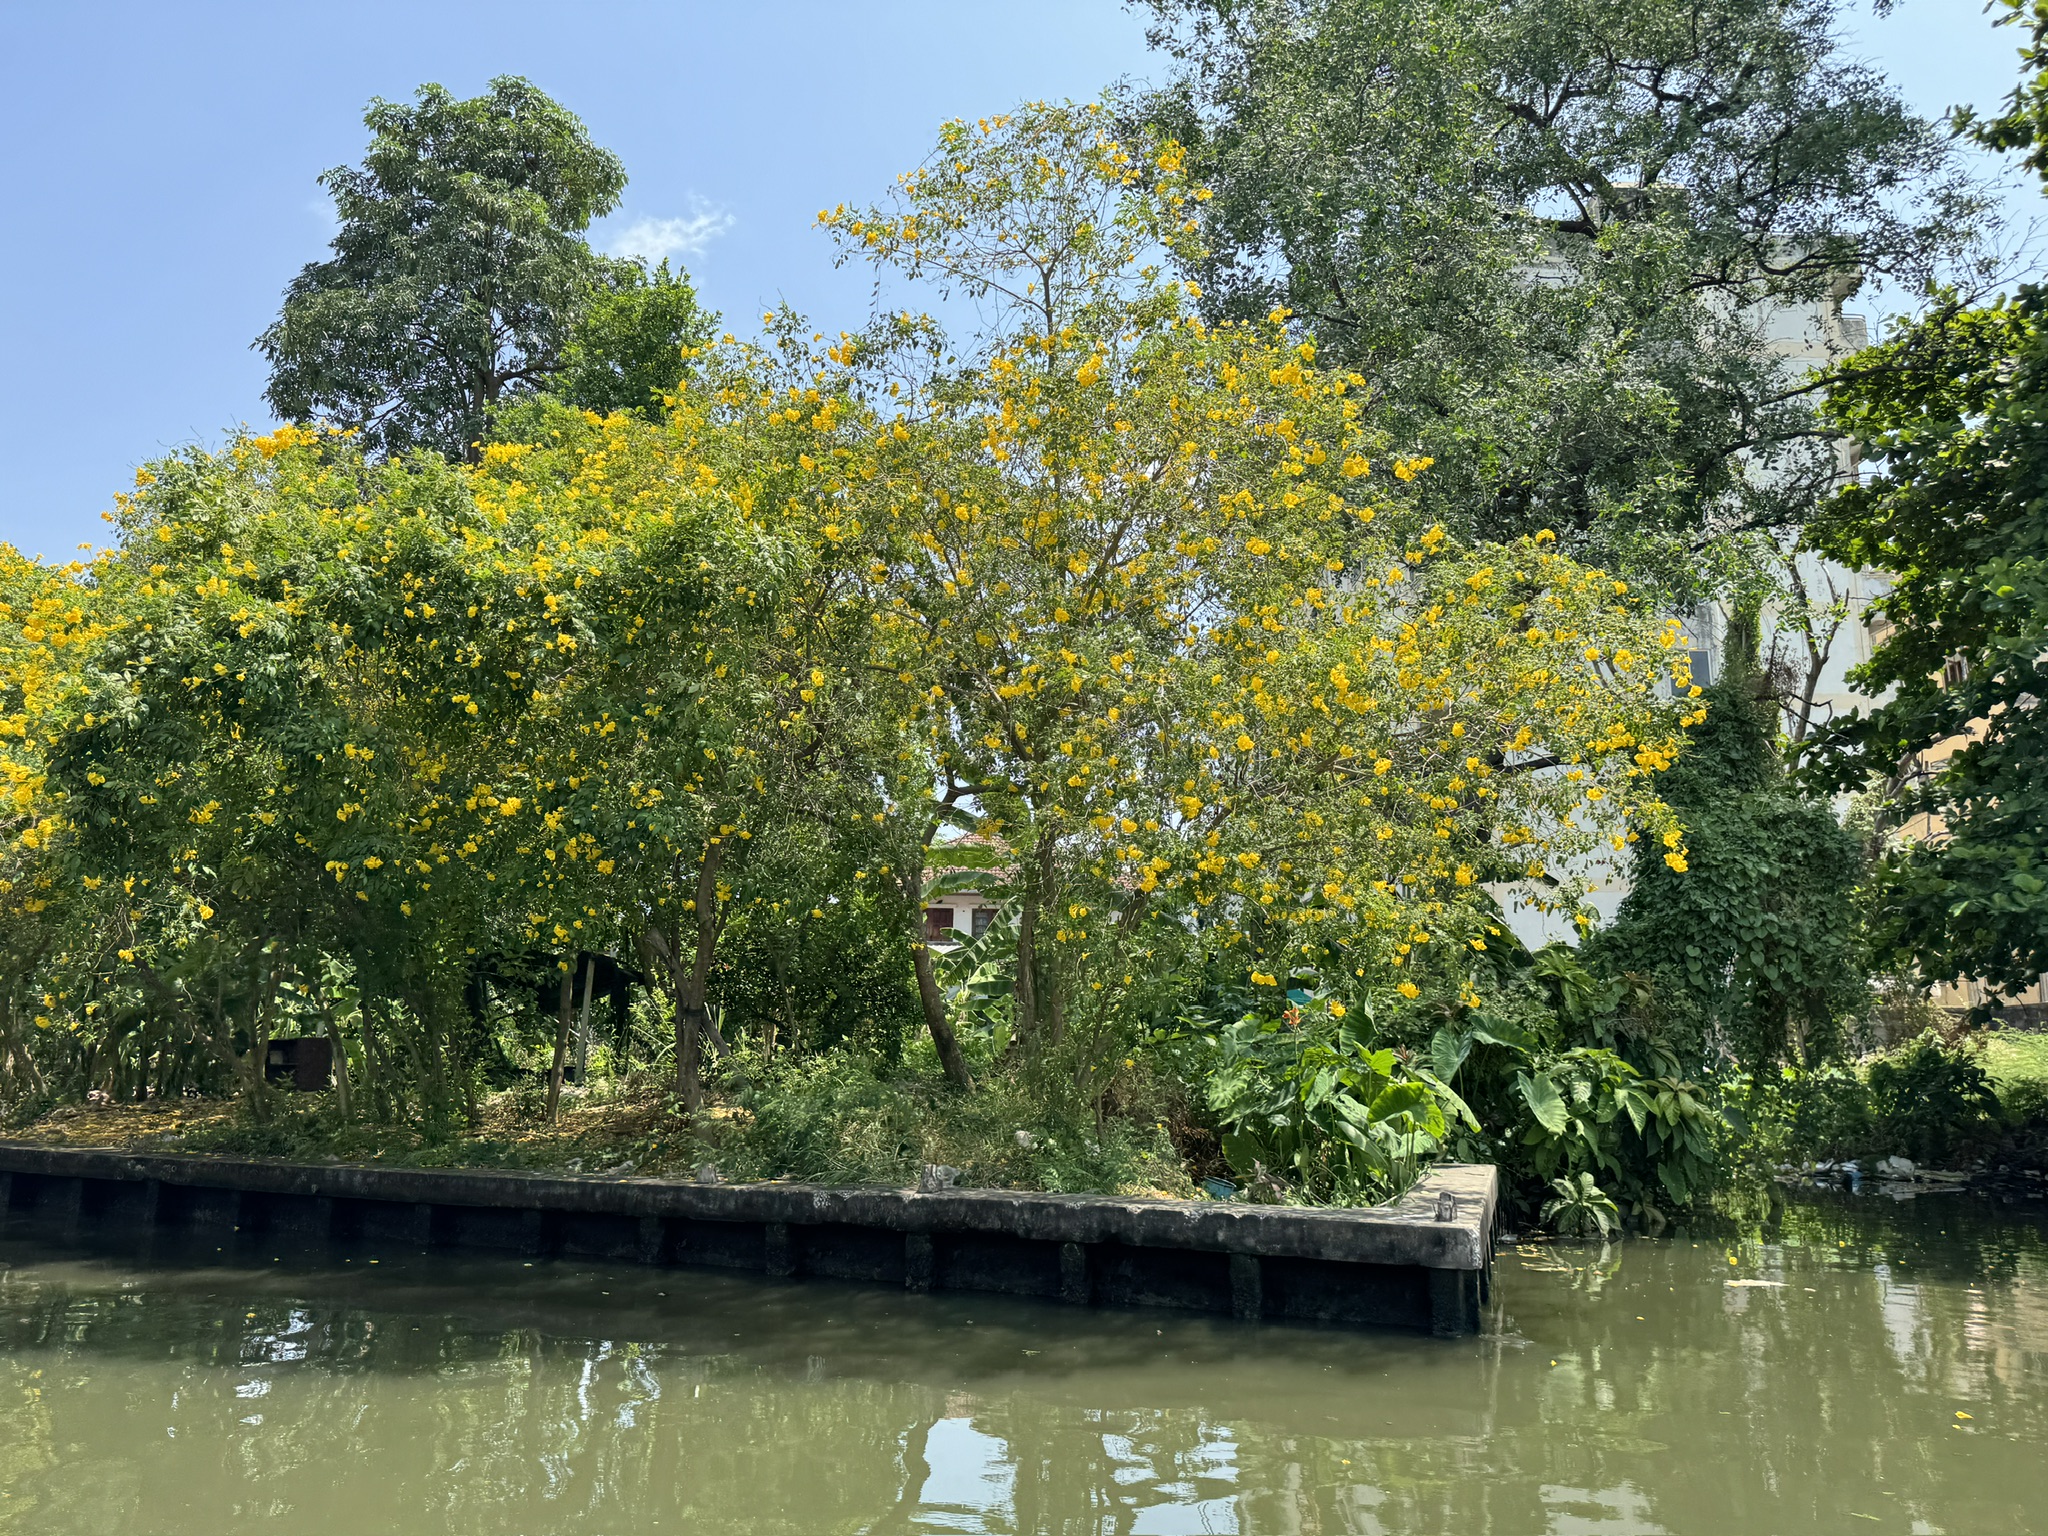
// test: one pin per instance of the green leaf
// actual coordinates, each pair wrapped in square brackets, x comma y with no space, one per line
[1500,1032]
[1631,1101]
[1242,1150]
[1674,1181]
[1397,1099]
[1544,1101]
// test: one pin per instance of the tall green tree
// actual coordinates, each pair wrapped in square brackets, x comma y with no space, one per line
[1754,943]
[1556,234]
[627,348]
[1955,410]
[459,271]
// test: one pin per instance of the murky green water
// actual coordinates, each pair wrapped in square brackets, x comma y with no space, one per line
[1813,1385]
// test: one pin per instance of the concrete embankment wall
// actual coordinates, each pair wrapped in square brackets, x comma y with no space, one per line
[1423,1262]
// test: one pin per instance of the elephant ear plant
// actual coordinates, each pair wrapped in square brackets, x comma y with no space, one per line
[1307,1103]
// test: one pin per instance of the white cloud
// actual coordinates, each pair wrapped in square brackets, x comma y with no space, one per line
[660,239]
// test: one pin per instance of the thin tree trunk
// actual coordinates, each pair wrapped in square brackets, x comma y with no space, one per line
[342,1100]
[1024,1007]
[1034,1010]
[435,1058]
[779,966]
[562,1016]
[789,1023]
[933,1002]
[936,1021]
[583,1021]
[689,1045]
[693,985]
[257,1064]
[372,1080]
[464,1077]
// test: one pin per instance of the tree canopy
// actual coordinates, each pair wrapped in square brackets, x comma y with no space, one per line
[1149,603]
[1283,581]
[1556,236]
[458,274]
[1951,411]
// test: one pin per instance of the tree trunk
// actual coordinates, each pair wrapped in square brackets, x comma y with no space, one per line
[341,1089]
[1024,1009]
[689,1046]
[933,1002]
[562,1016]
[466,1078]
[789,1024]
[373,1086]
[437,1054]
[936,1021]
[583,1022]
[693,985]
[256,1073]
[779,968]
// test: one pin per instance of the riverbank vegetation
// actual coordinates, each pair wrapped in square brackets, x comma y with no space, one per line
[577,734]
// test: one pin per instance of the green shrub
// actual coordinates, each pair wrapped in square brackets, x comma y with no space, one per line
[1580,1207]
[2025,1105]
[1306,1098]
[846,1116]
[1812,1115]
[1931,1101]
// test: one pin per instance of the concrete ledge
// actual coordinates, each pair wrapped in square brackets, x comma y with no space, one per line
[1397,1265]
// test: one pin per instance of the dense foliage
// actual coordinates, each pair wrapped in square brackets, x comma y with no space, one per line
[1952,408]
[1143,604]
[1682,178]
[1758,945]
[1277,589]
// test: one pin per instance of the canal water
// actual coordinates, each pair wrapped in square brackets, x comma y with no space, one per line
[1865,1366]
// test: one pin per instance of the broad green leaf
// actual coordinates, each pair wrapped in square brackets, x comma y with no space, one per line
[1544,1101]
[1396,1099]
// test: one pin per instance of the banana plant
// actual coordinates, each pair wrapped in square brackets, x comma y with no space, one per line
[975,971]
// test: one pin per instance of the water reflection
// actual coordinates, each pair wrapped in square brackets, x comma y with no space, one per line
[1813,1381]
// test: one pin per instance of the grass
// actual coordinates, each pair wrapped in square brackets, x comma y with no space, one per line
[2014,1057]
[596,1130]
[836,1118]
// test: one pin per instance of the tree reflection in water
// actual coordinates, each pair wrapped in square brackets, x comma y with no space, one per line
[1809,1378]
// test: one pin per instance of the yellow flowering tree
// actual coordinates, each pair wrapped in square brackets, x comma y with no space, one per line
[704,709]
[1171,628]
[50,622]
[245,777]
[1144,602]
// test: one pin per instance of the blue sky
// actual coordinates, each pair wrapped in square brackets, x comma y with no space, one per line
[162,165]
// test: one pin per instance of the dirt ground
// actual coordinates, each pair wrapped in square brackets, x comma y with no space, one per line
[593,1133]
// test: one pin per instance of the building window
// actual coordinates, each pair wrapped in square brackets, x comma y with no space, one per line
[981,920]
[937,920]
[1955,671]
